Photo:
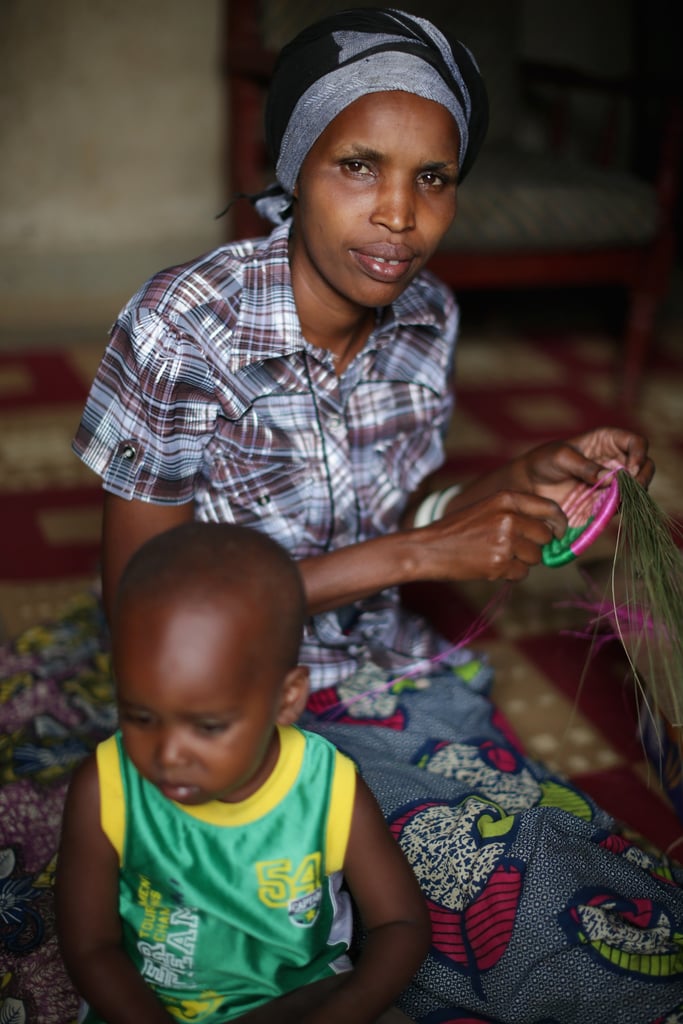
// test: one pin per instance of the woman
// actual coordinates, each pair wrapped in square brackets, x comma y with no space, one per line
[301,384]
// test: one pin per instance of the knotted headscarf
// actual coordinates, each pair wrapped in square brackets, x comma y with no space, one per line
[347,55]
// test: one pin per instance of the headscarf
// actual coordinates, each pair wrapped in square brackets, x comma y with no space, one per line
[347,55]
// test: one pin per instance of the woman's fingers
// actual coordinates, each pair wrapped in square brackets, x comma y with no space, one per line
[610,446]
[500,537]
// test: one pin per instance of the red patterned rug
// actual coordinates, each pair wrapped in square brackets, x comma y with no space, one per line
[51,503]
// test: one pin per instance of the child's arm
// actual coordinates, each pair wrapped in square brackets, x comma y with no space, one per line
[88,921]
[394,914]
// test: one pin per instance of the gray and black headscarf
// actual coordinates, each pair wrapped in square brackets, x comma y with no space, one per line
[352,53]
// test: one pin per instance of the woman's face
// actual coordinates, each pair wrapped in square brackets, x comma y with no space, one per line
[374,197]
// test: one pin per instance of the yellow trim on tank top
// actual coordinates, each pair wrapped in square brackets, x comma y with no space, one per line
[218,812]
[269,795]
[112,803]
[340,813]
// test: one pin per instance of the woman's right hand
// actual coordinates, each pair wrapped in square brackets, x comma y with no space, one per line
[498,537]
[494,537]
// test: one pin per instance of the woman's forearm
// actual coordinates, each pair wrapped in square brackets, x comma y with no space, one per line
[352,573]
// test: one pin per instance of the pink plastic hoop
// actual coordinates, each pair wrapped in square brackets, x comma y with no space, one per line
[578,538]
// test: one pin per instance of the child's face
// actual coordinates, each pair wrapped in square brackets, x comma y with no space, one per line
[198,698]
[375,195]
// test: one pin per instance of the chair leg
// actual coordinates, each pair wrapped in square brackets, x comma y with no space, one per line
[644,302]
[638,340]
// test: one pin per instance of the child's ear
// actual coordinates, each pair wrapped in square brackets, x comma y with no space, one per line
[294,695]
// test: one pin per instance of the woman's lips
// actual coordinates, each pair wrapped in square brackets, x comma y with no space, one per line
[384,262]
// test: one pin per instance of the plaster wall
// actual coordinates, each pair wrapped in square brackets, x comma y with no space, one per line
[111,136]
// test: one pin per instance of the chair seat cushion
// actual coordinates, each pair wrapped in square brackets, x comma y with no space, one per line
[522,200]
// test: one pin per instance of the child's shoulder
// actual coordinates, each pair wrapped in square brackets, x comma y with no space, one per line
[84,784]
[312,739]
[321,751]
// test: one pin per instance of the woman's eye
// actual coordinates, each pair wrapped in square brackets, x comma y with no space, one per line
[433,180]
[356,167]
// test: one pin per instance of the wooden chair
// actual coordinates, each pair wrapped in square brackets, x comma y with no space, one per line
[534,212]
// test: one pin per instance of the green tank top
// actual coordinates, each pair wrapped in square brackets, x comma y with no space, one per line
[227,906]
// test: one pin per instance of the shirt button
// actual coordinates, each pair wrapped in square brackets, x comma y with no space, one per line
[128,451]
[336,424]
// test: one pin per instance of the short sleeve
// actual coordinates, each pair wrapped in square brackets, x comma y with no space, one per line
[150,411]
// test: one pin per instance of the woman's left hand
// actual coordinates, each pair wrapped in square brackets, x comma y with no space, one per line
[553,470]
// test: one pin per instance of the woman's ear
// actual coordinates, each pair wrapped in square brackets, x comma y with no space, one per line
[294,695]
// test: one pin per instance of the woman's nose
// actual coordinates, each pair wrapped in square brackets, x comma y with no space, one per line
[395,205]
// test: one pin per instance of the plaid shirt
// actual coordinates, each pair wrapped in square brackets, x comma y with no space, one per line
[208,392]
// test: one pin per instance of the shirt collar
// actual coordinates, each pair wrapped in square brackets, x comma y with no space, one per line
[268,325]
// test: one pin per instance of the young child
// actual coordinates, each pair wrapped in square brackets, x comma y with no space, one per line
[205,844]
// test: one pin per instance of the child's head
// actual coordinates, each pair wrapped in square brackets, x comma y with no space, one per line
[205,637]
[355,53]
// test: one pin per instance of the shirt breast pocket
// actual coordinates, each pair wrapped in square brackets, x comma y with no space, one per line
[262,470]
[400,467]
